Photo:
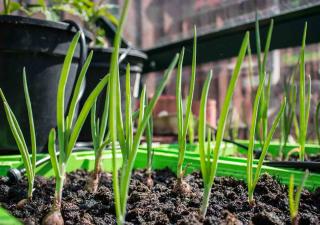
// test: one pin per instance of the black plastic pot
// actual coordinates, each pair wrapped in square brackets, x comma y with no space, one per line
[99,67]
[40,46]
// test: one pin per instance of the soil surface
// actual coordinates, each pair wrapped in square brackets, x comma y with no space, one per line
[161,204]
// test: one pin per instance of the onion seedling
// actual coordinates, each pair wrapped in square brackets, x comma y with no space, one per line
[68,128]
[100,140]
[265,97]
[294,199]
[100,137]
[304,104]
[208,168]
[128,142]
[98,128]
[29,164]
[205,151]
[304,101]
[252,181]
[183,124]
[289,113]
[150,152]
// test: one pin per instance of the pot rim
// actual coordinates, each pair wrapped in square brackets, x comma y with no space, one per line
[23,20]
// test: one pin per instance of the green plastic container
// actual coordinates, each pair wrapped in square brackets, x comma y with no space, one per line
[275,146]
[228,166]
[229,149]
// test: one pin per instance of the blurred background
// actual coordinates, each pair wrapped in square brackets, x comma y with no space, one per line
[156,23]
[161,27]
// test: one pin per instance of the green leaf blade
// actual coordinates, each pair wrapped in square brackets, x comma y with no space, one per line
[61,92]
[192,83]
[267,142]
[202,129]
[53,153]
[226,104]
[129,126]
[179,96]
[76,94]
[83,114]
[31,123]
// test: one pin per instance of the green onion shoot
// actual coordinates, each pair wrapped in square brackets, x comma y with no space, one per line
[183,123]
[265,97]
[294,199]
[304,101]
[29,164]
[208,168]
[68,128]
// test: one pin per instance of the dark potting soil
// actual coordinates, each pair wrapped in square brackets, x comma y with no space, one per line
[161,204]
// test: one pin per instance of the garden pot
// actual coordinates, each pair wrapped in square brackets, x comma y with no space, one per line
[99,67]
[40,46]
[227,167]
